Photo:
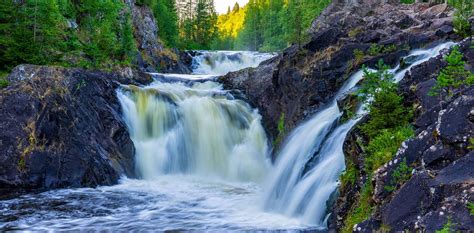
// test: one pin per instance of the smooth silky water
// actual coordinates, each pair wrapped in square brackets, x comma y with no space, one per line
[203,161]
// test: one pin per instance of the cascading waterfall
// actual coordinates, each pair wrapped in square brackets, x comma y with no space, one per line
[222,62]
[203,156]
[196,129]
[292,189]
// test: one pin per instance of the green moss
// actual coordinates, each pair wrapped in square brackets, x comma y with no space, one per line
[362,210]
[354,32]
[281,130]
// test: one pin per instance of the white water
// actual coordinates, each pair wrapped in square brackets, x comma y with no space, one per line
[203,157]
[197,129]
[305,194]
[222,62]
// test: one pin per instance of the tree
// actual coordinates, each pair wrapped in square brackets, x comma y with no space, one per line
[453,75]
[461,23]
[385,105]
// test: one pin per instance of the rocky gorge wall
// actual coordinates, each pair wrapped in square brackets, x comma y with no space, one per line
[346,35]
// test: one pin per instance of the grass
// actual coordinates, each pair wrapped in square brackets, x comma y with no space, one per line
[350,174]
[384,146]
[362,210]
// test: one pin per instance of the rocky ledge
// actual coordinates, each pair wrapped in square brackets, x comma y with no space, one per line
[347,35]
[63,128]
[441,156]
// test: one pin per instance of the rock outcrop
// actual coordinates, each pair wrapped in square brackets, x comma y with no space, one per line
[346,35]
[152,55]
[441,155]
[63,128]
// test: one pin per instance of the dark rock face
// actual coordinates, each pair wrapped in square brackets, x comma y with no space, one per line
[442,182]
[153,56]
[63,128]
[301,80]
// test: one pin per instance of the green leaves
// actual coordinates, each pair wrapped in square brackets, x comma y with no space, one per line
[453,75]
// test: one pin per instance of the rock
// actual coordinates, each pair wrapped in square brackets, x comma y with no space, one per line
[63,128]
[152,55]
[445,30]
[304,78]
[442,178]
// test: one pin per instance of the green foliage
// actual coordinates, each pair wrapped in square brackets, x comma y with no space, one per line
[383,147]
[3,80]
[399,176]
[453,75]
[384,103]
[470,206]
[407,1]
[198,26]
[362,209]
[386,130]
[471,144]
[350,174]
[448,227]
[358,57]
[166,16]
[268,25]
[461,23]
[354,32]
[281,129]
[89,33]
[376,49]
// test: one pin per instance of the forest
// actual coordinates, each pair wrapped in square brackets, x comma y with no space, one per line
[79,34]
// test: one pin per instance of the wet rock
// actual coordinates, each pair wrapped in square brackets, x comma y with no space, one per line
[63,128]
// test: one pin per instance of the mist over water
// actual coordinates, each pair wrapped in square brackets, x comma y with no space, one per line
[203,161]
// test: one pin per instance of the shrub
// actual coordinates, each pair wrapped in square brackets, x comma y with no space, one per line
[453,75]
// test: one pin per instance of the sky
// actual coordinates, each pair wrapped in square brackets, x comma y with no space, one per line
[221,5]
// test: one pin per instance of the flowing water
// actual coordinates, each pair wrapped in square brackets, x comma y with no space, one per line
[292,189]
[203,162]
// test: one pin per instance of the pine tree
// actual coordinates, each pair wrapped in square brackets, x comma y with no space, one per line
[453,75]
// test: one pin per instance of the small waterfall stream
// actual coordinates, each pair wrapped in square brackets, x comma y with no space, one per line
[305,195]
[203,159]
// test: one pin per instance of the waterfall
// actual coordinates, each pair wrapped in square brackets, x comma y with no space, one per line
[297,191]
[222,62]
[194,129]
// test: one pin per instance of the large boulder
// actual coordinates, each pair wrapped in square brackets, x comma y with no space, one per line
[63,128]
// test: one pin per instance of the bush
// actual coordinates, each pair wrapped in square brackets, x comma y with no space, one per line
[453,75]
